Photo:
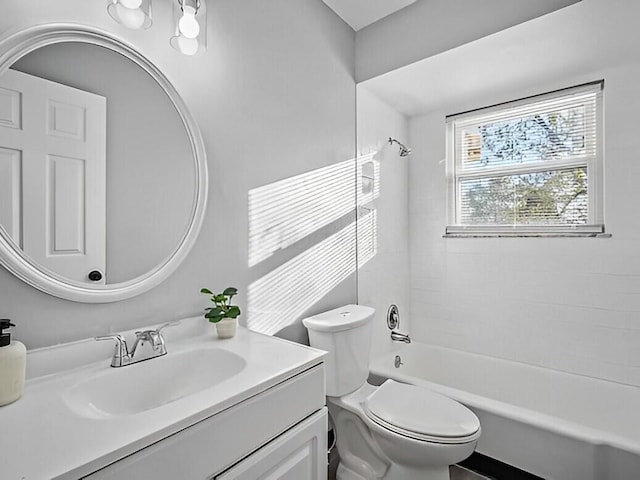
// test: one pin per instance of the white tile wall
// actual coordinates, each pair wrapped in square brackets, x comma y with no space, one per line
[385,278]
[571,304]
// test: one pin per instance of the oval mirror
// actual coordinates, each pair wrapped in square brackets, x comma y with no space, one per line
[102,169]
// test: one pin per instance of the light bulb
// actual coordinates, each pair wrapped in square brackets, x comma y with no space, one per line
[188,46]
[131,3]
[188,25]
[130,17]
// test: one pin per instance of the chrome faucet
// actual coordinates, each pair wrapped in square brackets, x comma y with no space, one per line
[397,336]
[393,322]
[153,338]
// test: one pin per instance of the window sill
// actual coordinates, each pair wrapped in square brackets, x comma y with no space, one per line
[590,231]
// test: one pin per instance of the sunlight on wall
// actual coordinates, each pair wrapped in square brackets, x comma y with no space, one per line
[367,236]
[368,179]
[284,212]
[283,295]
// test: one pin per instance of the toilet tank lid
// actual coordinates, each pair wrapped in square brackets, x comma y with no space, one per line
[338,319]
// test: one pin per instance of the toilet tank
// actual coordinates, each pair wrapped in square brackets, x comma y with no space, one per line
[345,333]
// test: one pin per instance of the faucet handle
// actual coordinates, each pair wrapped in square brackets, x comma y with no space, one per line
[121,352]
[156,338]
[168,324]
[121,343]
[157,330]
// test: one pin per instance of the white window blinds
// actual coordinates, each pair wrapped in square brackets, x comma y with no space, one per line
[532,166]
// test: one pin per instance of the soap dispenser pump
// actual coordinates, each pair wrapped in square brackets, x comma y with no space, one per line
[13,362]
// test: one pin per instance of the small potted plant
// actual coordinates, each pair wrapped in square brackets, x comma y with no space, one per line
[222,314]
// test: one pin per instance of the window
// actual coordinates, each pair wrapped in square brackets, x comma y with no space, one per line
[529,167]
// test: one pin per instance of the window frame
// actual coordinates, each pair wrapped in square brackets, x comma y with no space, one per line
[593,163]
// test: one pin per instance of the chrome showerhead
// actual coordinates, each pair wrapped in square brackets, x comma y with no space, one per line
[404,151]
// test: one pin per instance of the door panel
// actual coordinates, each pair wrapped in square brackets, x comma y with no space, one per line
[11,193]
[10,107]
[65,120]
[66,206]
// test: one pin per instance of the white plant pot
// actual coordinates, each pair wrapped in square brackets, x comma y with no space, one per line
[226,328]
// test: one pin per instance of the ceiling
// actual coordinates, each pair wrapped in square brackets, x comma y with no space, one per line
[360,13]
[527,59]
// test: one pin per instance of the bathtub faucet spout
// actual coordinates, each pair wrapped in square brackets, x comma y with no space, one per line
[397,336]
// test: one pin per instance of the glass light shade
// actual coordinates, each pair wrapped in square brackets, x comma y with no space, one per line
[188,25]
[131,3]
[190,20]
[185,45]
[133,14]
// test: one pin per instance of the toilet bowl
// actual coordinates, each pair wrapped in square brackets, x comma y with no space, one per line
[395,431]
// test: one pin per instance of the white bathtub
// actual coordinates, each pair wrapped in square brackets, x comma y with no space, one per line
[552,424]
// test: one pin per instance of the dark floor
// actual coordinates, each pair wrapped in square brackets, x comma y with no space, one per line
[461,473]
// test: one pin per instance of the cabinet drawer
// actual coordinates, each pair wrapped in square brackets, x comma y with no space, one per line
[298,454]
[214,444]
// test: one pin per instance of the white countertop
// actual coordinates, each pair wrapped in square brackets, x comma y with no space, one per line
[42,438]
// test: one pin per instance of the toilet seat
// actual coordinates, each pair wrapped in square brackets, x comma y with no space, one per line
[421,414]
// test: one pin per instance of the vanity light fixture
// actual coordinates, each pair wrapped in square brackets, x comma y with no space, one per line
[190,22]
[134,14]
[189,19]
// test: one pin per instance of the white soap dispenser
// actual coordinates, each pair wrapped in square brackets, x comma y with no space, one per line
[13,362]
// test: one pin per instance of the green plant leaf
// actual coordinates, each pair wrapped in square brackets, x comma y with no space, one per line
[213,317]
[222,301]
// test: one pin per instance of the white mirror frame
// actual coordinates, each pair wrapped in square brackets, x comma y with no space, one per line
[17,262]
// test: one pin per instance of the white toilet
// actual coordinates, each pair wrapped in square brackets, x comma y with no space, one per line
[395,431]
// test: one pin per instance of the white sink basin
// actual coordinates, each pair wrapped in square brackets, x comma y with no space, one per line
[152,383]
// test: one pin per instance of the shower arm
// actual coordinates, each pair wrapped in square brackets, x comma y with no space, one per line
[404,151]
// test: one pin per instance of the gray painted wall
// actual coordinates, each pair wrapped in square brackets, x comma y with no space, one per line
[429,27]
[274,95]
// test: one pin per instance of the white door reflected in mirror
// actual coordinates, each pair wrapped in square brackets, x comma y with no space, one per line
[53,203]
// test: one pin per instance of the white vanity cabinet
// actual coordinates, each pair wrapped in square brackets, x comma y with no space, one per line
[252,406]
[280,433]
[300,453]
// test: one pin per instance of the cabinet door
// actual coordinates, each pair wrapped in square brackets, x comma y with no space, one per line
[298,454]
